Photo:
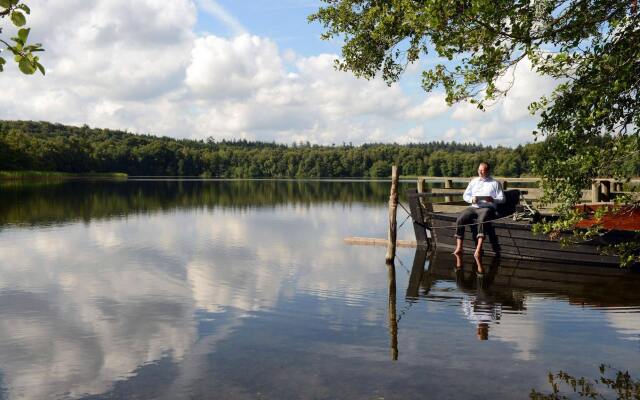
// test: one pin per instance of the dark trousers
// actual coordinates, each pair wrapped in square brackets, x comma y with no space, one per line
[474,215]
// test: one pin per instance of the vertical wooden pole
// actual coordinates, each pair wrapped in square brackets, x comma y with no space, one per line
[616,186]
[393,207]
[505,185]
[422,188]
[448,184]
[605,187]
[421,183]
[595,192]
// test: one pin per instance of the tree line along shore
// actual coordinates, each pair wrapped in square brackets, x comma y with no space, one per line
[27,146]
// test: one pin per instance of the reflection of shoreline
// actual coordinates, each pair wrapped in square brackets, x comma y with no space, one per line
[69,201]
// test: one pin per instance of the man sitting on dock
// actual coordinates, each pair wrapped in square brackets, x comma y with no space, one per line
[483,193]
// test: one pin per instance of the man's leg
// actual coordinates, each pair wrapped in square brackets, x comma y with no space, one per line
[466,217]
[484,215]
[478,252]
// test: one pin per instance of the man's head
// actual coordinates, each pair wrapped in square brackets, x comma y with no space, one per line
[484,169]
[482,331]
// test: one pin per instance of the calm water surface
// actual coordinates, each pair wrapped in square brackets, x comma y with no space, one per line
[246,290]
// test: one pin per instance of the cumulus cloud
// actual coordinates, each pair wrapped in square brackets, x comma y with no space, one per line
[413,135]
[236,68]
[141,66]
[507,120]
[434,105]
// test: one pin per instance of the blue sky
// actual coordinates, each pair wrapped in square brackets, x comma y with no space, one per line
[285,23]
[235,69]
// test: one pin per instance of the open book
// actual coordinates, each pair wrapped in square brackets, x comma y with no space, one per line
[482,199]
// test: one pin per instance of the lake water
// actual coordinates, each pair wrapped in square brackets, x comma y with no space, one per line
[246,290]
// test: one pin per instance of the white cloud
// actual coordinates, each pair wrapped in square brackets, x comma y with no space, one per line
[434,105]
[507,120]
[225,69]
[141,66]
[527,86]
[414,135]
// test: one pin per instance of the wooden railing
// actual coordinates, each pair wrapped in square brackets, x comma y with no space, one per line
[602,189]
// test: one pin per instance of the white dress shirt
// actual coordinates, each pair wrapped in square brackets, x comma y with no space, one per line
[484,187]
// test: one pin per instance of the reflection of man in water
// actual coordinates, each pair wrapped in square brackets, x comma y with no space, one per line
[481,312]
[480,308]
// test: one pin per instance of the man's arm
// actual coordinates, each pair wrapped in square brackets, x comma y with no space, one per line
[467,196]
[498,197]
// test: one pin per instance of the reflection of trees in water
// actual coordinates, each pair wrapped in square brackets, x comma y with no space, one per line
[84,200]
[611,384]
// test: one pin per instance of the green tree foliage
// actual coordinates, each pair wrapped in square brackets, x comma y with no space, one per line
[44,146]
[590,123]
[24,53]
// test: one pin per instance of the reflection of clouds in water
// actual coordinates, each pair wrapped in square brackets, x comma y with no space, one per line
[109,296]
[521,332]
[627,324]
[97,314]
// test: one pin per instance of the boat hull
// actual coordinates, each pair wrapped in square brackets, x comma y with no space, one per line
[513,239]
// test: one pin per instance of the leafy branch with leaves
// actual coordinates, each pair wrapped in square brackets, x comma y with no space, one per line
[23,53]
[590,47]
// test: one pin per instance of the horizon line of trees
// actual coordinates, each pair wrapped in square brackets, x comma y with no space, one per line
[44,146]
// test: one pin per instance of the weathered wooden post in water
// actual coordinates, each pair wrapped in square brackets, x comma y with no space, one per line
[393,208]
[448,184]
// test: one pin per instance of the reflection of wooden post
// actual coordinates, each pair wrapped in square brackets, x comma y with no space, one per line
[595,192]
[605,187]
[393,318]
[448,184]
[393,208]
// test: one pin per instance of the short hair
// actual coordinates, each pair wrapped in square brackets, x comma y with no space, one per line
[486,164]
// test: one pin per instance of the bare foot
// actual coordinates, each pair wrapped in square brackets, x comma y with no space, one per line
[458,261]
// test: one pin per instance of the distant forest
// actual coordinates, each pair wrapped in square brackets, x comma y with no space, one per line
[43,146]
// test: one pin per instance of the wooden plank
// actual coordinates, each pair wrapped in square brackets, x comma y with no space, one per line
[364,241]
[522,243]
[467,179]
[526,240]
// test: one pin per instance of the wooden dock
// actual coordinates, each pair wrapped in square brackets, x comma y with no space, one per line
[603,190]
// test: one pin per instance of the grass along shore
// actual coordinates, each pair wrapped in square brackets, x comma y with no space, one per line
[10,175]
